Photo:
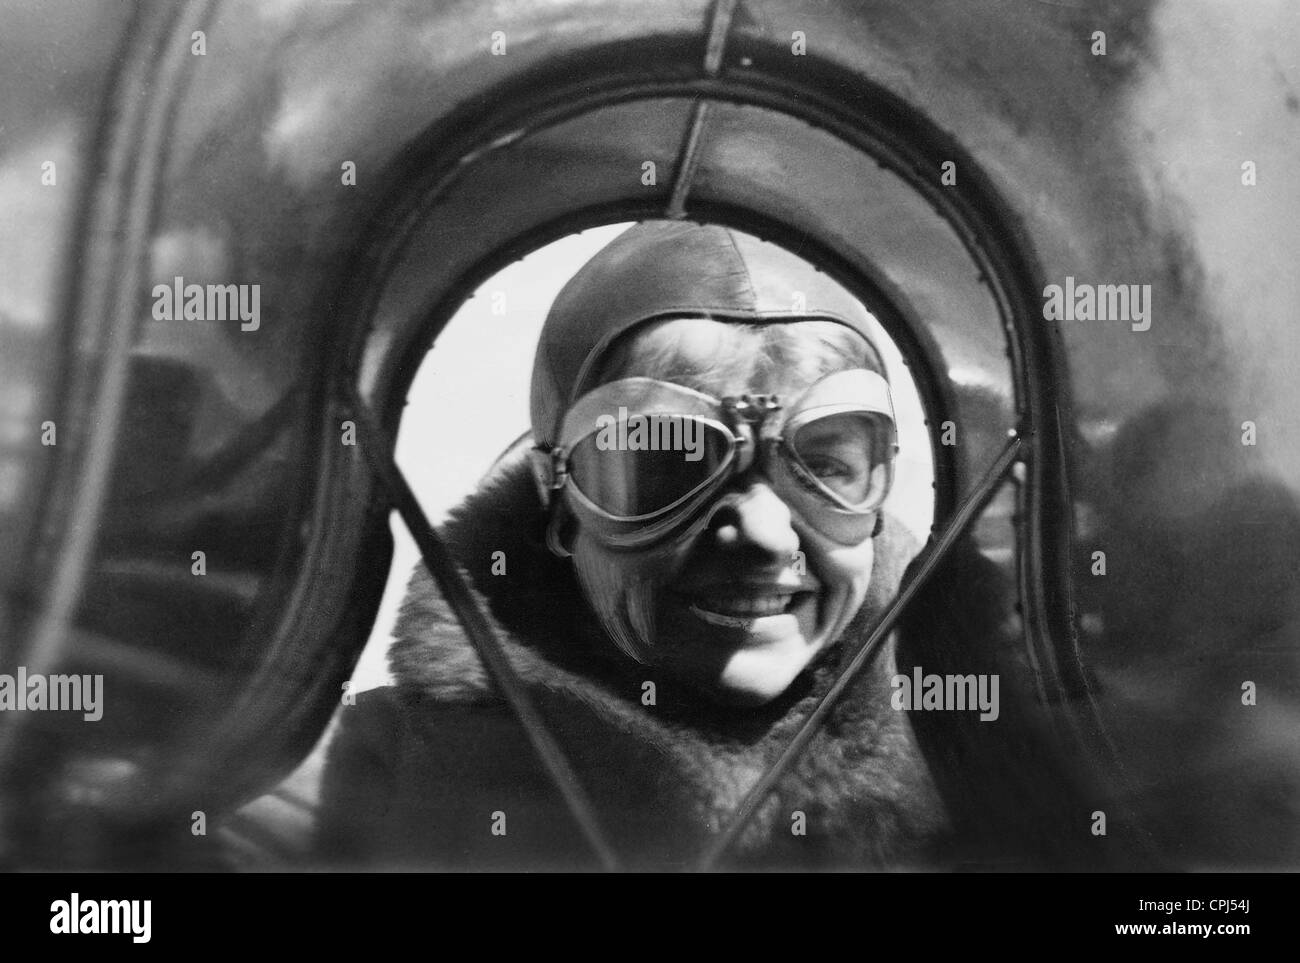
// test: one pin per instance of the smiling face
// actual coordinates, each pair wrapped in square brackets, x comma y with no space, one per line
[736,611]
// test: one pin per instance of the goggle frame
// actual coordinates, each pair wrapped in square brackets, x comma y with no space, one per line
[752,432]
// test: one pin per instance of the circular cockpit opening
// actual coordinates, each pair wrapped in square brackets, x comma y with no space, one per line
[469,403]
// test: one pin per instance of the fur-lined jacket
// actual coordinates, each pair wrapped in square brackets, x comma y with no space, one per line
[435,772]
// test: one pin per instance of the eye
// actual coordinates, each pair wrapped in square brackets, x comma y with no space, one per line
[824,466]
[839,451]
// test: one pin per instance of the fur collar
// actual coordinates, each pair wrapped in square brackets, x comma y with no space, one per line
[678,767]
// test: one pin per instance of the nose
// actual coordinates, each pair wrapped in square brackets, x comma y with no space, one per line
[754,519]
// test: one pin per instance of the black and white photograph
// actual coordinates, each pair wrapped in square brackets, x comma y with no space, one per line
[651,436]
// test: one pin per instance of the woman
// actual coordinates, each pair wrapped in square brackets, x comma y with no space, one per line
[692,547]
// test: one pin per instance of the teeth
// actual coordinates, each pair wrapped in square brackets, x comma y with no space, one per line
[734,611]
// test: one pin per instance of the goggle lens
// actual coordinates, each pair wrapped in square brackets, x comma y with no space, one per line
[847,454]
[649,465]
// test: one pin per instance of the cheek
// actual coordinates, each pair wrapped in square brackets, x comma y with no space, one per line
[645,568]
[845,570]
[624,589]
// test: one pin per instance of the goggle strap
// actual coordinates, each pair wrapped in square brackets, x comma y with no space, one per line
[541,459]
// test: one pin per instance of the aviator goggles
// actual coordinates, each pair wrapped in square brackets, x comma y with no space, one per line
[639,460]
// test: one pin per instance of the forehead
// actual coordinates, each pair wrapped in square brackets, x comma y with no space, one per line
[722,358]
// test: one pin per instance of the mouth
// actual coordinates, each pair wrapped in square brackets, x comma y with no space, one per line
[733,611]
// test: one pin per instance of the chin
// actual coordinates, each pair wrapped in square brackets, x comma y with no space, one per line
[755,677]
[749,692]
